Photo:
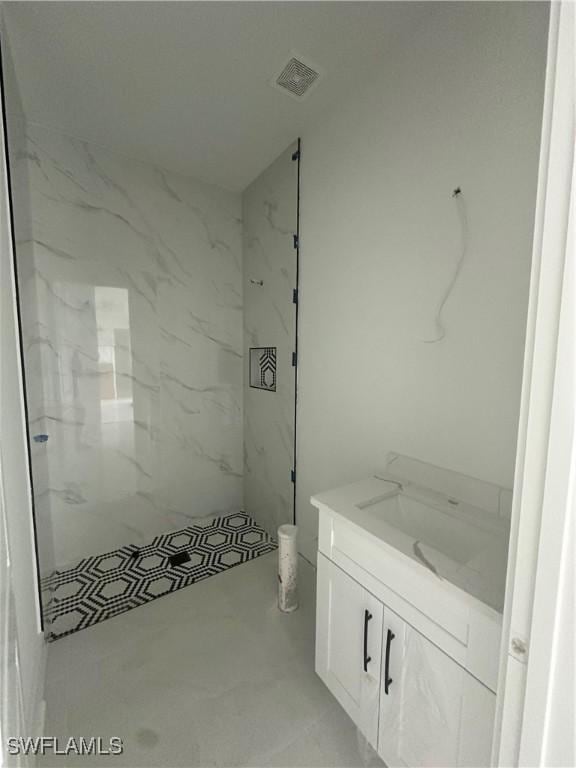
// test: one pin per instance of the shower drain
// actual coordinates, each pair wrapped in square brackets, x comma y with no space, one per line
[179,559]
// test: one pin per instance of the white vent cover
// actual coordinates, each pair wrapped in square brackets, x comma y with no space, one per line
[298,77]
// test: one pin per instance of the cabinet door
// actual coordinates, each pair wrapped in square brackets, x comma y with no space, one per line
[349,645]
[432,711]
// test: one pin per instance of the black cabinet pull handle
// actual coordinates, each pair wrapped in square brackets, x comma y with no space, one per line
[387,679]
[367,659]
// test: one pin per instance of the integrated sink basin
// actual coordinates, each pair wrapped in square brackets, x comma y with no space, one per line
[460,544]
[456,538]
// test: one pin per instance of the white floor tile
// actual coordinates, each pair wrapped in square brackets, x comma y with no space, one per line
[211,675]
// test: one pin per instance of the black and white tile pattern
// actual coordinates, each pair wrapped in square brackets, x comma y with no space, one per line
[105,585]
[263,368]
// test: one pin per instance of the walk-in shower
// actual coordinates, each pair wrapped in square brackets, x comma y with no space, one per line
[154,462]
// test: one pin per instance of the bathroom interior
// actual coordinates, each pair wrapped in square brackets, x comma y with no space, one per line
[273,265]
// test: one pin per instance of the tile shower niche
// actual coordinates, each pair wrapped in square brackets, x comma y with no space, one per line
[263,368]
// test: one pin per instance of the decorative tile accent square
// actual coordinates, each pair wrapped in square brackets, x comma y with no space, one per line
[263,368]
[105,585]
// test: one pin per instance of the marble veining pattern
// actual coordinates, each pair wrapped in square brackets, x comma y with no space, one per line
[134,348]
[447,522]
[270,259]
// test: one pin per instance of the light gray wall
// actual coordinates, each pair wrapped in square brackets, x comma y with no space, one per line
[141,270]
[460,105]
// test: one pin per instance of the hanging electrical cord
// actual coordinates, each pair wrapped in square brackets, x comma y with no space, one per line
[461,210]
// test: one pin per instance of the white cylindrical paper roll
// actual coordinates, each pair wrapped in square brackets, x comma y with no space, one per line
[287,568]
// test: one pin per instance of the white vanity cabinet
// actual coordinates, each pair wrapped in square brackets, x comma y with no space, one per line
[432,711]
[409,618]
[349,645]
[413,703]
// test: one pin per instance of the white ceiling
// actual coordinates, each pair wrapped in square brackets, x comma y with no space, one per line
[185,85]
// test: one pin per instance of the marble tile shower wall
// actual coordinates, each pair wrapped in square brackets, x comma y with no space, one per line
[134,351]
[270,259]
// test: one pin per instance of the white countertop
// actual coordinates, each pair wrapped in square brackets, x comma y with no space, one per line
[463,545]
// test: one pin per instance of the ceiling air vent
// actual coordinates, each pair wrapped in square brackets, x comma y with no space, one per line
[297,78]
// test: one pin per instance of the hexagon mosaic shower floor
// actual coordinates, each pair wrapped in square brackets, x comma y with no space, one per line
[103,586]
